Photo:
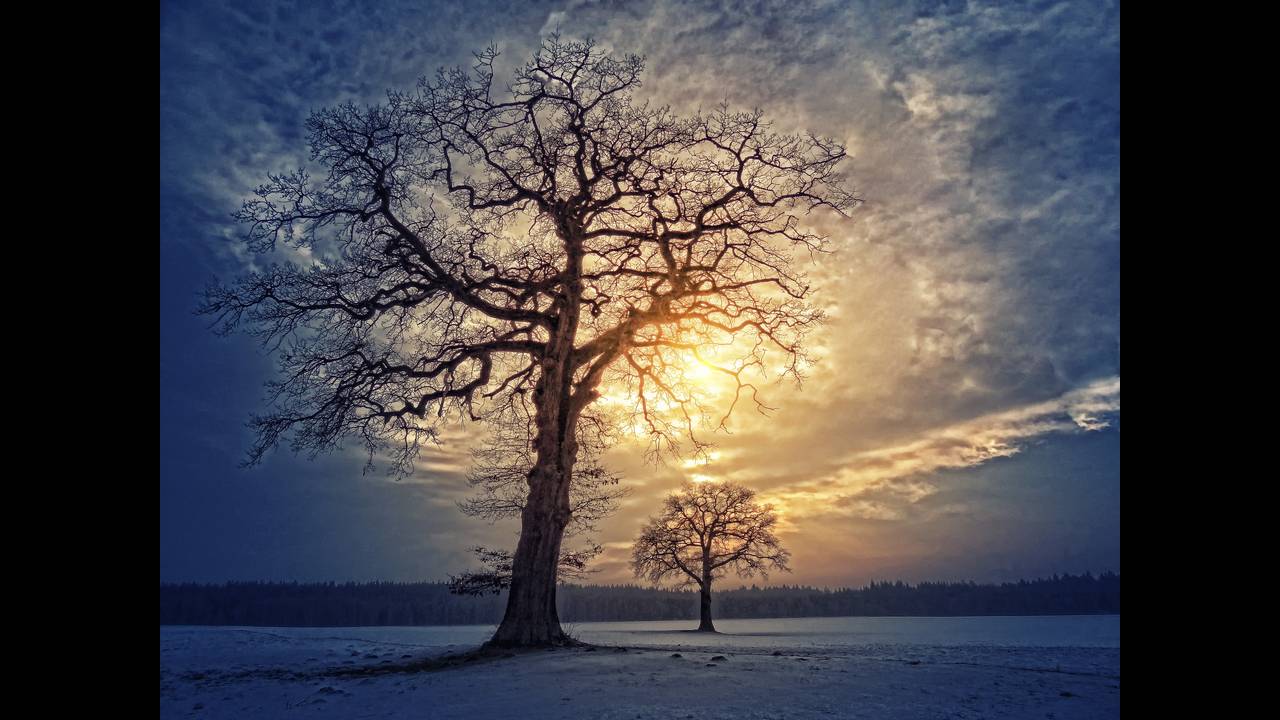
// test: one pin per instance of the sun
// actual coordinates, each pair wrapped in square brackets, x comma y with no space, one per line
[695,370]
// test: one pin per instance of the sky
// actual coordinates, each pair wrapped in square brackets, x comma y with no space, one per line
[963,420]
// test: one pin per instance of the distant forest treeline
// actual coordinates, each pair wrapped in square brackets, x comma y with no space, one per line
[391,603]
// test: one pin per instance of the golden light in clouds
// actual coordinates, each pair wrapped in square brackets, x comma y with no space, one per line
[830,498]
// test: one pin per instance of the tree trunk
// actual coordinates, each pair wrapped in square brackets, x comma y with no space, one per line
[704,624]
[531,618]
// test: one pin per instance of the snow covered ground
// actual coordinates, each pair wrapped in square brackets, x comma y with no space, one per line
[1023,667]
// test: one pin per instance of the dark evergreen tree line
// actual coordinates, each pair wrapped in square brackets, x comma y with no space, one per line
[391,603]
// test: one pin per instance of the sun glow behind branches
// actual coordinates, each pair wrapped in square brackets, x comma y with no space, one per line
[693,396]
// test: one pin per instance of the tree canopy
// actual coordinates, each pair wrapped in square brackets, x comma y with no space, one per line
[442,260]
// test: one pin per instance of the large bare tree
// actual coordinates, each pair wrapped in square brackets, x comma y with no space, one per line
[706,530]
[485,252]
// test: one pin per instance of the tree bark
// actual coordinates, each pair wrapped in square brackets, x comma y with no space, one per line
[531,618]
[704,623]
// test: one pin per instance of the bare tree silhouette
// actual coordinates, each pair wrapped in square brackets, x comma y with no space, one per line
[704,531]
[485,257]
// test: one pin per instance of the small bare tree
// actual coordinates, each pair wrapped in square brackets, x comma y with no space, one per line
[485,254]
[704,531]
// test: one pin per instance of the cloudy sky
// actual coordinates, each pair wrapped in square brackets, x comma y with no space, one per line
[963,422]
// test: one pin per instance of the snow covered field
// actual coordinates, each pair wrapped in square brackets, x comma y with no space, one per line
[995,667]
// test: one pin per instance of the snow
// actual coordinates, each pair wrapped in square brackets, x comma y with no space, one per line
[1025,667]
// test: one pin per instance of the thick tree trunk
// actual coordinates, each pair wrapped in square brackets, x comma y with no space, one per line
[704,600]
[531,618]
[704,624]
